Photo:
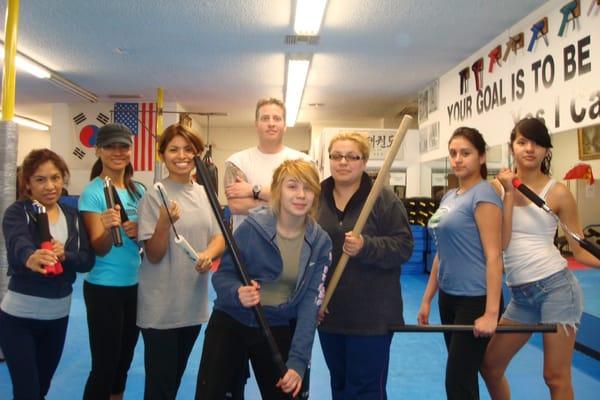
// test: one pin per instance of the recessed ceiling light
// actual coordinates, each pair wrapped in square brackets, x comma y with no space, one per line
[308,16]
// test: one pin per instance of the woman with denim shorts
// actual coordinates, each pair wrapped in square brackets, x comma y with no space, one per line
[543,289]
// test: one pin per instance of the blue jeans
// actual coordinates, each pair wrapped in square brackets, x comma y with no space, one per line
[358,365]
[554,299]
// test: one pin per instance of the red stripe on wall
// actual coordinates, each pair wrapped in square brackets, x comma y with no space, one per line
[142,132]
[150,135]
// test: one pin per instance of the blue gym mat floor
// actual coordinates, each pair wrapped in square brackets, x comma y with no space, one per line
[416,365]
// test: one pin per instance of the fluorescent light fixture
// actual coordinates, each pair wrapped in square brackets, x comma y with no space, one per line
[28,65]
[309,15]
[71,87]
[297,71]
[31,123]
[36,69]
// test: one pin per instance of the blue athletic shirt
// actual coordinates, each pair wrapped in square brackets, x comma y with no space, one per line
[119,267]
[462,268]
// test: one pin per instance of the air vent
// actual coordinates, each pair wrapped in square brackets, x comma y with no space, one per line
[295,39]
[125,96]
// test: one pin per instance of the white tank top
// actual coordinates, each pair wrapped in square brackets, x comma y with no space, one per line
[531,254]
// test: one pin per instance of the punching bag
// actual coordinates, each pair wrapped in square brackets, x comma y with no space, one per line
[212,168]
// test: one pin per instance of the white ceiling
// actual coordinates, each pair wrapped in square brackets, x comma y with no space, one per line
[222,55]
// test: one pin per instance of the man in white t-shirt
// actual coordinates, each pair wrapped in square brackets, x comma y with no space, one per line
[247,182]
[248,173]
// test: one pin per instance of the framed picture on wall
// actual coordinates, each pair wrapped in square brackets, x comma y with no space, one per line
[589,142]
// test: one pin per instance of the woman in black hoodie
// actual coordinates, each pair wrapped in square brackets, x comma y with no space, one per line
[34,312]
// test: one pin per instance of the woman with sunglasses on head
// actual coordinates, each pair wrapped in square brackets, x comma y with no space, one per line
[354,330]
[173,289]
[543,289]
[467,268]
[34,313]
[286,255]
[110,289]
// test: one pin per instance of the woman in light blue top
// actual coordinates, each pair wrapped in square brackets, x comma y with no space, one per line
[467,268]
[110,289]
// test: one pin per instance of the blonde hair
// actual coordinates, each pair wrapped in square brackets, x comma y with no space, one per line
[364,146]
[264,102]
[299,169]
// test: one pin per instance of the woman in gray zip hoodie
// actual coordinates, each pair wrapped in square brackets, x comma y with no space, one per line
[286,255]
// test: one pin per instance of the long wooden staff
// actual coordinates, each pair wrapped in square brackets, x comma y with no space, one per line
[368,206]
[203,178]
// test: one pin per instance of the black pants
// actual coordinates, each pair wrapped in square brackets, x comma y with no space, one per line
[227,346]
[465,351]
[32,348]
[111,316]
[236,388]
[166,353]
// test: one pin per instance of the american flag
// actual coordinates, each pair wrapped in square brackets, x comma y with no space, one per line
[141,119]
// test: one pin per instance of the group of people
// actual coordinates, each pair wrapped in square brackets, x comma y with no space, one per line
[291,230]
[486,229]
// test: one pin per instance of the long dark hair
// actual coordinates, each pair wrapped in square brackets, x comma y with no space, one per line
[127,178]
[476,139]
[534,129]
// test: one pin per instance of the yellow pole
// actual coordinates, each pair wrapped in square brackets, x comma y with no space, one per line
[160,103]
[10,50]
[159,129]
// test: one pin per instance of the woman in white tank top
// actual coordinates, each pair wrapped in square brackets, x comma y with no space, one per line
[543,289]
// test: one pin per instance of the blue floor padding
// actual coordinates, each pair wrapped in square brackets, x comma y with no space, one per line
[589,279]
[416,366]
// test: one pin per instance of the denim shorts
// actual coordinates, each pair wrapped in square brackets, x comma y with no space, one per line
[556,299]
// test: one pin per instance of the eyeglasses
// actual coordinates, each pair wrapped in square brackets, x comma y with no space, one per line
[348,157]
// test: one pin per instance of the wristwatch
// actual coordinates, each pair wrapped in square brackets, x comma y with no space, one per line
[256,191]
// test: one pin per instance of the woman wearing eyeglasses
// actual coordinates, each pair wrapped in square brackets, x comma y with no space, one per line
[354,330]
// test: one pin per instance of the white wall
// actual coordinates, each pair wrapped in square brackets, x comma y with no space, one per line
[30,139]
[566,99]
[564,157]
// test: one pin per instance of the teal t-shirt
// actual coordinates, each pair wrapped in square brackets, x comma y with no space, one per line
[119,267]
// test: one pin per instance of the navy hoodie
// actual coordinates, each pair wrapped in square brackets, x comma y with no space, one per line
[256,239]
[22,239]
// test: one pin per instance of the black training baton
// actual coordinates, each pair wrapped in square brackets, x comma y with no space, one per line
[110,203]
[538,201]
[203,178]
[546,328]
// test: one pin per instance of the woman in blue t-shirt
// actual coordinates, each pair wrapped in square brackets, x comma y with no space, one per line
[467,268]
[110,289]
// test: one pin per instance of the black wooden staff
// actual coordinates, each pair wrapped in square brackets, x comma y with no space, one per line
[203,178]
[546,328]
